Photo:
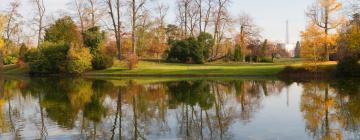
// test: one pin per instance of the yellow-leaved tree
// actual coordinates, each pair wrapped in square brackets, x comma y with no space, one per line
[312,40]
[2,44]
[324,14]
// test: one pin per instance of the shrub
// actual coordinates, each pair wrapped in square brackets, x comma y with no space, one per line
[51,58]
[348,67]
[102,61]
[22,51]
[63,30]
[10,59]
[56,54]
[40,66]
[132,61]
[37,62]
[110,50]
[266,60]
[32,55]
[79,60]
[93,38]
[207,42]
[186,51]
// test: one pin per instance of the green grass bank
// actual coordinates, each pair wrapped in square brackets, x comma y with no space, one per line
[155,69]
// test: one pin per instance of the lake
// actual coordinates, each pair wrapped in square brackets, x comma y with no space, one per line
[178,108]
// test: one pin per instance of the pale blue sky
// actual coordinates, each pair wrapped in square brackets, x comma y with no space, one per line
[270,15]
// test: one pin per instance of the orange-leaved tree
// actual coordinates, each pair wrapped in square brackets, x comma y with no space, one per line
[323,14]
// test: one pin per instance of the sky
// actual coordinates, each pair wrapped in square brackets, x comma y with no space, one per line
[270,15]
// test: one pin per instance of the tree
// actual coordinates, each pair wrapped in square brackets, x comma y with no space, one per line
[248,31]
[64,30]
[264,48]
[94,12]
[114,12]
[348,51]
[136,7]
[221,20]
[173,32]
[80,11]
[322,14]
[2,43]
[207,42]
[93,39]
[312,41]
[183,13]
[162,10]
[200,13]
[349,39]
[12,22]
[209,9]
[88,13]
[40,6]
[297,50]
[237,53]
[186,51]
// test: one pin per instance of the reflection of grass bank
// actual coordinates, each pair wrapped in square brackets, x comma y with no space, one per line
[305,71]
[15,70]
[123,81]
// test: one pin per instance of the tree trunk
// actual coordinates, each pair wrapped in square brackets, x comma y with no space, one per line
[133,43]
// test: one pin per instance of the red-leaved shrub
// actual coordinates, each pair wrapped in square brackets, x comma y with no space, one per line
[132,61]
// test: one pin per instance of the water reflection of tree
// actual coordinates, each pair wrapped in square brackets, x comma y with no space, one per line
[329,109]
[10,120]
[194,99]
[144,110]
[4,126]
[318,106]
[348,98]
[206,109]
[250,94]
[63,99]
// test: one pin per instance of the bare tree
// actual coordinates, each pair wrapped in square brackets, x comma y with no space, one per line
[248,31]
[89,12]
[12,26]
[92,11]
[200,7]
[136,7]
[322,14]
[221,18]
[40,6]
[183,14]
[354,7]
[114,12]
[161,10]
[80,11]
[12,23]
[95,10]
[209,7]
[193,13]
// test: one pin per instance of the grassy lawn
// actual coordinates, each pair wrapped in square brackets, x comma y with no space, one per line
[15,70]
[213,69]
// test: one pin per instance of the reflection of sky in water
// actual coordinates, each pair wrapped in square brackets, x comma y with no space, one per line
[276,119]
[258,115]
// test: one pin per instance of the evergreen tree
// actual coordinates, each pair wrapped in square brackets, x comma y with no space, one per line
[297,50]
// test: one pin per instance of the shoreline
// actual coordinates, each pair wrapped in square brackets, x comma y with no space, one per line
[211,70]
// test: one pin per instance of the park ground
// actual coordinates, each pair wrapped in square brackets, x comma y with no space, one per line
[149,68]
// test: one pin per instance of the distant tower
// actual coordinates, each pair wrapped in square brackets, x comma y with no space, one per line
[287,33]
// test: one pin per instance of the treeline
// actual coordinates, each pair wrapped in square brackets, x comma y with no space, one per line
[94,32]
[331,35]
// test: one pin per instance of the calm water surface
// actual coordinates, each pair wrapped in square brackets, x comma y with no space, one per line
[162,109]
